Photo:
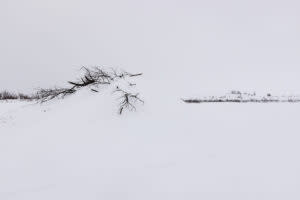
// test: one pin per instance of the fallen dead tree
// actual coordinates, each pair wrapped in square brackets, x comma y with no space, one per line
[95,78]
[92,78]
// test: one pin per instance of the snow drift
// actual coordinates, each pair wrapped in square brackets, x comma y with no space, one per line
[80,148]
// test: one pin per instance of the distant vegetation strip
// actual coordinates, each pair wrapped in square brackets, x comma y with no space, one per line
[239,97]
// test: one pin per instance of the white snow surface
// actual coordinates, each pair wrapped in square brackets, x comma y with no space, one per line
[80,148]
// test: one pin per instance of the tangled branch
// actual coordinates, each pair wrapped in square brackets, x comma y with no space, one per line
[128,100]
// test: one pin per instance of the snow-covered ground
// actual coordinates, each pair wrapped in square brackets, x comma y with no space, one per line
[80,148]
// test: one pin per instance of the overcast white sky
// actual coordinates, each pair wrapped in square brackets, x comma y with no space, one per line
[233,44]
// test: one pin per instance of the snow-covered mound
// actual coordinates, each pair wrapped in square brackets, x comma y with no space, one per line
[80,148]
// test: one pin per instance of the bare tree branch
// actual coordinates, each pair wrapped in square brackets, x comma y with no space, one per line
[128,100]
